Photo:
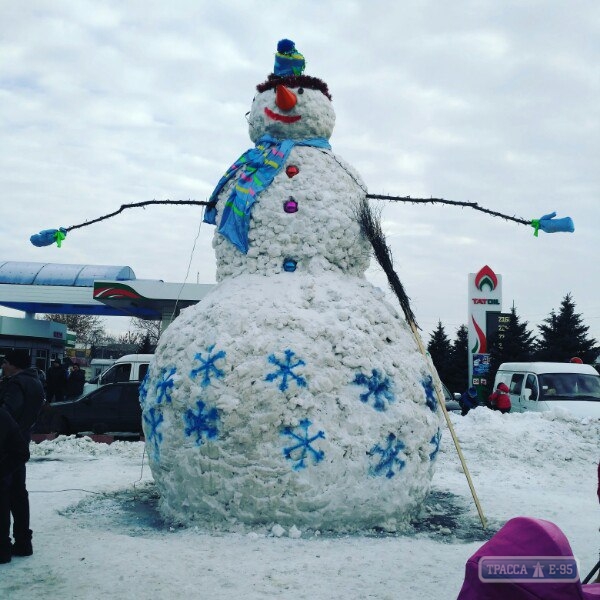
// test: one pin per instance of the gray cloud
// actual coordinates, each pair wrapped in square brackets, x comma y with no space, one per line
[111,103]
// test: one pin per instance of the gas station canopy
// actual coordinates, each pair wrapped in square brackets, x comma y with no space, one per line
[93,290]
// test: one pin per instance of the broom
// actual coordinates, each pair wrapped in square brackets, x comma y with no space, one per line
[371,228]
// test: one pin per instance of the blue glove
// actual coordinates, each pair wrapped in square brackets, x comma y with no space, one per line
[47,237]
[549,224]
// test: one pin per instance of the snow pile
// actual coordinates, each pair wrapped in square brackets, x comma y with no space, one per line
[536,440]
[68,445]
[529,454]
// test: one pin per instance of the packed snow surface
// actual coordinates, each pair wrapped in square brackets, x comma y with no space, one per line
[98,533]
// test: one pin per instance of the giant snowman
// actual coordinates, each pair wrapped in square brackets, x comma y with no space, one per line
[293,393]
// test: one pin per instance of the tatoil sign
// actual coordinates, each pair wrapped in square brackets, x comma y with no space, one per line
[485,295]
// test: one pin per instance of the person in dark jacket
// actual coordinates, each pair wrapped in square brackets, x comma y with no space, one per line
[22,395]
[14,452]
[56,382]
[500,400]
[468,400]
[75,382]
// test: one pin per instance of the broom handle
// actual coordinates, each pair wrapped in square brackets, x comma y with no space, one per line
[442,403]
[591,573]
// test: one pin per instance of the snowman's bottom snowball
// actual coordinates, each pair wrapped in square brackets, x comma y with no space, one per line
[291,399]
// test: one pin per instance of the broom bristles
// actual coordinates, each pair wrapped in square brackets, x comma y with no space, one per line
[371,227]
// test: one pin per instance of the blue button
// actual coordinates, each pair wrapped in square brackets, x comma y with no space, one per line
[289,265]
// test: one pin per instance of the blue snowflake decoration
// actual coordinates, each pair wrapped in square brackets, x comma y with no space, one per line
[435,440]
[143,389]
[298,452]
[378,387]
[389,457]
[207,366]
[153,419]
[202,422]
[430,397]
[165,385]
[286,370]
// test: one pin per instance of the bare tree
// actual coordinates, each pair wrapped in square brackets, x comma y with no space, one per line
[129,338]
[88,328]
[146,328]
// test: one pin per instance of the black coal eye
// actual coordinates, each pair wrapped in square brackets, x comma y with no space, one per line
[301,90]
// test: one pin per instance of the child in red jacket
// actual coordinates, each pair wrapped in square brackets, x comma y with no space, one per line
[500,400]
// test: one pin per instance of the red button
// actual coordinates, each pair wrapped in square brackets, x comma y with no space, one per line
[292,170]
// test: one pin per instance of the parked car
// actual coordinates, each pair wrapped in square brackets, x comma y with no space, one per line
[114,407]
[451,401]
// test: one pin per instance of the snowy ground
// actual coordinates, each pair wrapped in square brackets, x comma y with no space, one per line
[97,533]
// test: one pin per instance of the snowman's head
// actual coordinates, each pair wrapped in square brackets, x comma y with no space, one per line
[290,105]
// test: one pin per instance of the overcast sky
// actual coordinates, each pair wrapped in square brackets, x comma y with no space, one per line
[108,103]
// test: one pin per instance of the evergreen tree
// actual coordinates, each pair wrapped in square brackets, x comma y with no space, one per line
[458,379]
[564,336]
[517,345]
[440,350]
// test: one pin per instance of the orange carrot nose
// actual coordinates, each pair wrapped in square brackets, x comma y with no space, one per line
[285,98]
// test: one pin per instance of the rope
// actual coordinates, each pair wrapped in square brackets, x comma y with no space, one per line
[189,265]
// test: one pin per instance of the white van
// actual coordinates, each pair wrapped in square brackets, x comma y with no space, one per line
[131,367]
[540,386]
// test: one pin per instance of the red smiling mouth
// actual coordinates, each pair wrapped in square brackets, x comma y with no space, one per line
[282,118]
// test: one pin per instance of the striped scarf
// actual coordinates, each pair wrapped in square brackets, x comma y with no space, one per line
[258,167]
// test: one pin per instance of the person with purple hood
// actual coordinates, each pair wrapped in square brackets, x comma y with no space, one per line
[521,538]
